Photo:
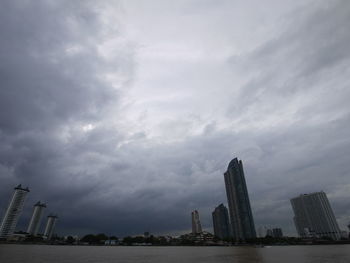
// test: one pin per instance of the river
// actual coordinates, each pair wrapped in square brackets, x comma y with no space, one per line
[116,254]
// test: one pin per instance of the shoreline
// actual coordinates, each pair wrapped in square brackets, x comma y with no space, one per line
[140,245]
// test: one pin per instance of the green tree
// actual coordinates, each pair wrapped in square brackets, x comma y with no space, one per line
[128,240]
[70,240]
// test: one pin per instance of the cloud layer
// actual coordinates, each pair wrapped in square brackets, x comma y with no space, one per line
[123,116]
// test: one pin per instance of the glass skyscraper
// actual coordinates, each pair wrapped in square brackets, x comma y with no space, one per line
[221,222]
[314,216]
[238,201]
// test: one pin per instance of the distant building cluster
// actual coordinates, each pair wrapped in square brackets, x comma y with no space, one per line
[314,217]
[264,231]
[13,213]
[236,223]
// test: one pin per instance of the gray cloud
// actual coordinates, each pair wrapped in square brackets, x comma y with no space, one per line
[124,137]
[52,79]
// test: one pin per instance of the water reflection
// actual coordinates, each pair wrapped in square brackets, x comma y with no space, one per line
[246,254]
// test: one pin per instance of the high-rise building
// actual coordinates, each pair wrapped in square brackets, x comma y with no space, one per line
[13,212]
[50,226]
[238,201]
[262,230]
[277,232]
[196,223]
[221,222]
[269,233]
[314,216]
[35,221]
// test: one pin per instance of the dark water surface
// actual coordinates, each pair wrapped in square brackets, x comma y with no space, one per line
[104,254]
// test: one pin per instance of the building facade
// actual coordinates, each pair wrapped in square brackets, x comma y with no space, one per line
[314,217]
[221,222]
[196,223]
[277,232]
[262,230]
[50,226]
[35,221]
[241,217]
[13,212]
[269,233]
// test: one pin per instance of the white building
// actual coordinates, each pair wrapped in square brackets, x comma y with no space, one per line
[50,226]
[13,212]
[35,221]
[262,230]
[196,223]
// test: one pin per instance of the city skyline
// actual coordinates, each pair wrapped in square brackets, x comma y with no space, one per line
[14,209]
[127,111]
[313,215]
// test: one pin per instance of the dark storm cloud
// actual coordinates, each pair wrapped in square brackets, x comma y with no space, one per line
[36,65]
[52,83]
[64,131]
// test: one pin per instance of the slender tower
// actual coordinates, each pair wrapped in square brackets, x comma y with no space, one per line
[13,212]
[50,226]
[238,202]
[196,223]
[35,221]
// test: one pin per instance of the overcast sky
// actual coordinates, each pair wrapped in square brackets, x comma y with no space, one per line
[123,115]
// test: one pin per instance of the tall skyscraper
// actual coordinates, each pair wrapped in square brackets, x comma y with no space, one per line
[50,226]
[196,223]
[221,222]
[314,216]
[13,212]
[238,201]
[35,221]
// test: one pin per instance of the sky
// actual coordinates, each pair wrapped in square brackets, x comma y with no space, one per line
[122,116]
